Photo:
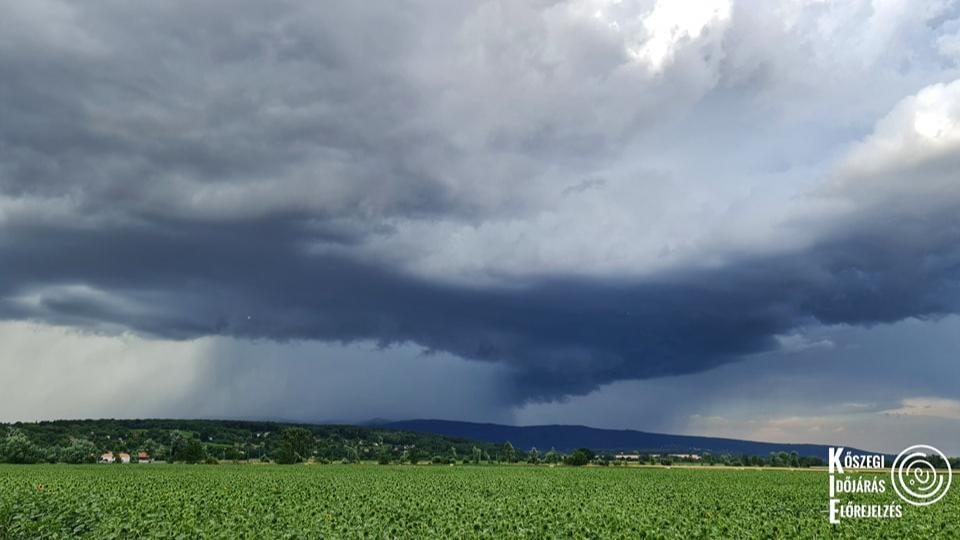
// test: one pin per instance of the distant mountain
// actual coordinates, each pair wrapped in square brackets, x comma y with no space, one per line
[567,438]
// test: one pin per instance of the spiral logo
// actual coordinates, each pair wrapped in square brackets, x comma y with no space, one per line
[916,480]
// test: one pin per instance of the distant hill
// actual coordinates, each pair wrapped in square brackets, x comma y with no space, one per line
[568,438]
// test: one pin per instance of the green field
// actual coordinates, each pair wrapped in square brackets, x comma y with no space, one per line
[370,501]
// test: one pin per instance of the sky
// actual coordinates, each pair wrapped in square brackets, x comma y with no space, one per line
[725,217]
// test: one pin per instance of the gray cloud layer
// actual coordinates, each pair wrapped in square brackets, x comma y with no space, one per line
[495,181]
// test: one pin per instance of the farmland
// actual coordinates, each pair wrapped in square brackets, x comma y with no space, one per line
[357,501]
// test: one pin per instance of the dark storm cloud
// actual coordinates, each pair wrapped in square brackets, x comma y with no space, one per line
[173,98]
[193,169]
[144,107]
[558,336]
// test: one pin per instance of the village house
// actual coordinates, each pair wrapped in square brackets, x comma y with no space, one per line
[686,457]
[636,457]
[110,457]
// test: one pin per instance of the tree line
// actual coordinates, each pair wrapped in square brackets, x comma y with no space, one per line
[205,441]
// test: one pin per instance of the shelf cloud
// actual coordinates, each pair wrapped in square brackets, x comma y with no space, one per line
[578,192]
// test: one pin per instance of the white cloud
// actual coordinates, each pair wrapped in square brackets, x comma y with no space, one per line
[672,24]
[949,45]
[921,127]
[883,433]
[948,409]
[793,343]
[788,429]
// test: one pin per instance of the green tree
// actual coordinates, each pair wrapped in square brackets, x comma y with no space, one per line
[193,452]
[353,455]
[233,453]
[151,447]
[177,442]
[296,446]
[415,456]
[552,456]
[17,448]
[509,454]
[477,455]
[580,457]
[51,454]
[79,451]
[383,455]
[186,449]
[779,459]
[534,455]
